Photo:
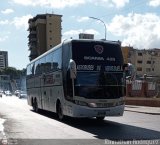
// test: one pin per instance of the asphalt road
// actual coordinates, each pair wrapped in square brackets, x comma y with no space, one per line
[24,127]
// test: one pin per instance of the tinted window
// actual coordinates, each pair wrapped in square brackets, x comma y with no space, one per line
[42,64]
[30,69]
[99,79]
[37,67]
[29,72]
[49,60]
[57,59]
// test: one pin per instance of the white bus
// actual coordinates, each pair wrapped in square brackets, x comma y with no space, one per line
[78,78]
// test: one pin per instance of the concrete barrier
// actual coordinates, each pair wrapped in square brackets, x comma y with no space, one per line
[139,101]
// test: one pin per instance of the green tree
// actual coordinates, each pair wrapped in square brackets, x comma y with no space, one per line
[13,72]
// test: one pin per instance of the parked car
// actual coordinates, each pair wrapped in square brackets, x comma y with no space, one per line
[17,92]
[8,93]
[1,92]
[22,94]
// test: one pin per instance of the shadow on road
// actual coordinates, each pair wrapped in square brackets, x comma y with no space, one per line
[108,129]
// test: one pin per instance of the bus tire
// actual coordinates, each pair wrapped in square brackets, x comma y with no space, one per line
[35,105]
[100,118]
[60,111]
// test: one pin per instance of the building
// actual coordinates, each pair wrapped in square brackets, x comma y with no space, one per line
[3,59]
[86,36]
[146,61]
[44,33]
[5,83]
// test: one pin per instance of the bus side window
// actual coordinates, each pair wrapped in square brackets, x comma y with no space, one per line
[42,65]
[37,68]
[57,60]
[48,65]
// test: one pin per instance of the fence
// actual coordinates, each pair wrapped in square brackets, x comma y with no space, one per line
[139,88]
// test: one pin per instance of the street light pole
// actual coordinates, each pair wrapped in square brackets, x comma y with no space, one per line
[103,24]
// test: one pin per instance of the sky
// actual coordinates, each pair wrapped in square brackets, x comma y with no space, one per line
[135,23]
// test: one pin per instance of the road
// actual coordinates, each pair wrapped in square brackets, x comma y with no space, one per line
[23,126]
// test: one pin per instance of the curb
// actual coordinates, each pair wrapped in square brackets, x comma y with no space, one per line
[151,113]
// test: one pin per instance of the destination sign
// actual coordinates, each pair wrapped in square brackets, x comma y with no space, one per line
[98,68]
[94,56]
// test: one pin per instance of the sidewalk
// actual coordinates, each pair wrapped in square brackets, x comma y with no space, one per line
[143,109]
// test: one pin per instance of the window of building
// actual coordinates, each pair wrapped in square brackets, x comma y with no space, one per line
[139,53]
[50,31]
[50,23]
[50,38]
[152,69]
[148,69]
[139,61]
[139,68]
[148,62]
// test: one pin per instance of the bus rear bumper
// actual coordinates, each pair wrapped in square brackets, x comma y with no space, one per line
[83,111]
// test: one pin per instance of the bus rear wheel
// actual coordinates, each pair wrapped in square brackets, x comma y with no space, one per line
[60,112]
[100,118]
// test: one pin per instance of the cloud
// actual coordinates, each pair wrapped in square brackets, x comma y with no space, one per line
[72,33]
[20,22]
[4,22]
[7,11]
[50,3]
[154,3]
[110,3]
[82,19]
[4,38]
[138,30]
[120,3]
[91,31]
[71,3]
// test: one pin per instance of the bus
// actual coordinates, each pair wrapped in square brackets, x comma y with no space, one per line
[78,78]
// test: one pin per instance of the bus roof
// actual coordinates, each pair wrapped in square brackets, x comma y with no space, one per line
[90,40]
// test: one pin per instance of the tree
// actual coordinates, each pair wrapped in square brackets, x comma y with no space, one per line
[13,72]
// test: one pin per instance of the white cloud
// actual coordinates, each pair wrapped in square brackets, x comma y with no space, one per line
[120,3]
[82,19]
[4,22]
[4,38]
[154,3]
[25,2]
[91,31]
[20,22]
[7,11]
[110,3]
[71,3]
[138,30]
[72,33]
[50,3]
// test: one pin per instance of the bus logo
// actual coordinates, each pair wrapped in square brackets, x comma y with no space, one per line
[98,49]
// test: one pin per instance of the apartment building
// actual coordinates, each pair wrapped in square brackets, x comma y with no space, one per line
[146,61]
[44,33]
[3,59]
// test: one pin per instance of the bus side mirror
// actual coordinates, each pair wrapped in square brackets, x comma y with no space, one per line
[73,70]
